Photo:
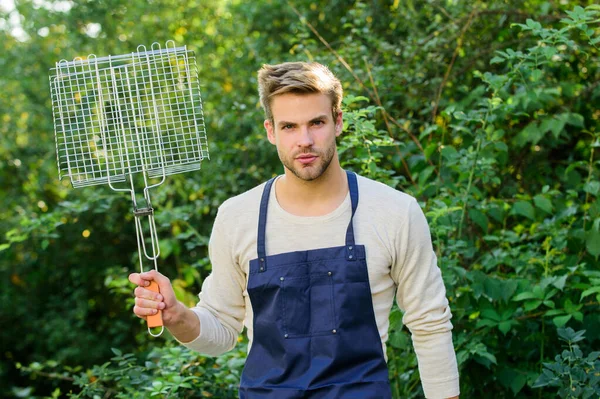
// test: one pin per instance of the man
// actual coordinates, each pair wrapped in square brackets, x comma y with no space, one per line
[310,262]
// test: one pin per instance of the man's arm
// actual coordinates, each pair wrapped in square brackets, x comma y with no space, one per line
[212,326]
[422,296]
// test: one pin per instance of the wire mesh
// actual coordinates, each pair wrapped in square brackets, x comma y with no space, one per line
[119,115]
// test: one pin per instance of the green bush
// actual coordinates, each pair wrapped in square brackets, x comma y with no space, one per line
[575,375]
[486,112]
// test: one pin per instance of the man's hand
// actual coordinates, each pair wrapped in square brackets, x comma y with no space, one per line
[149,302]
[177,318]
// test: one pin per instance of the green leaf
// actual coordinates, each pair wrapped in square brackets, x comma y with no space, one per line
[593,356]
[485,323]
[555,124]
[524,295]
[116,351]
[518,383]
[536,75]
[508,289]
[549,51]
[543,203]
[501,146]
[543,380]
[532,305]
[505,326]
[552,291]
[560,282]
[524,208]
[554,312]
[592,242]
[592,187]
[396,319]
[157,384]
[4,247]
[560,321]
[532,133]
[533,24]
[497,213]
[488,356]
[430,149]
[459,115]
[550,304]
[449,152]
[425,174]
[399,340]
[491,313]
[570,307]
[590,291]
[492,288]
[479,218]
[570,335]
[513,379]
[166,248]
[575,120]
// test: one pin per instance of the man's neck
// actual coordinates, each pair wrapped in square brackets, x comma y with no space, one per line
[312,198]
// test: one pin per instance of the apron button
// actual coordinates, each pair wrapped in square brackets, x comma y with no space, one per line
[285,336]
[262,269]
[329,273]
[334,331]
[350,247]
[349,256]
[281,278]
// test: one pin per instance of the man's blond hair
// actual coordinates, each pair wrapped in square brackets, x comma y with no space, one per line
[298,78]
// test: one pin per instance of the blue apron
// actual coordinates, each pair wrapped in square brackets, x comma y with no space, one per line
[315,334]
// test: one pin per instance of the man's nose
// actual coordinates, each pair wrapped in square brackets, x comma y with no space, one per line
[305,139]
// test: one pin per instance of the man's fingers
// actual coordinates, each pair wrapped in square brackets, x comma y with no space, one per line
[142,313]
[154,275]
[147,294]
[148,304]
[136,278]
[143,279]
[163,282]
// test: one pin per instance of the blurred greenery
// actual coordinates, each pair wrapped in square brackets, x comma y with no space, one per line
[486,111]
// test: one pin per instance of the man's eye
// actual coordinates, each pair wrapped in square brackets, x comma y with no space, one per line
[318,123]
[285,127]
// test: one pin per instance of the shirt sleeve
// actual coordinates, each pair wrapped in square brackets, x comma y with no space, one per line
[221,309]
[421,295]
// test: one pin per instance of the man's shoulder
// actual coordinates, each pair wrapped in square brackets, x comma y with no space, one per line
[384,206]
[246,202]
[374,191]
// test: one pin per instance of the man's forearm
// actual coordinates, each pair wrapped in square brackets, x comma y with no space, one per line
[184,324]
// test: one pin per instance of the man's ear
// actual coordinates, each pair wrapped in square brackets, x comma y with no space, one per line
[270,131]
[339,124]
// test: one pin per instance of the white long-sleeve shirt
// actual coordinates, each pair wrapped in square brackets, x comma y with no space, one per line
[400,262]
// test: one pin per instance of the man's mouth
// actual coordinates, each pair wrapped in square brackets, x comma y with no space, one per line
[306,158]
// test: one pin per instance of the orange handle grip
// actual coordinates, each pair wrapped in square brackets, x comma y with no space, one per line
[154,320]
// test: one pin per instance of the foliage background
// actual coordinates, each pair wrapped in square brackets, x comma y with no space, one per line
[486,111]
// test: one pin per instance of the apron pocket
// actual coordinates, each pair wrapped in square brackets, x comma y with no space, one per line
[308,305]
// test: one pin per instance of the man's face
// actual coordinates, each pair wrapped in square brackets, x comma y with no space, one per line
[304,132]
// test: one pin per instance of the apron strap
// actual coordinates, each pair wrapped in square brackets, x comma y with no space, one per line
[262,221]
[262,226]
[353,187]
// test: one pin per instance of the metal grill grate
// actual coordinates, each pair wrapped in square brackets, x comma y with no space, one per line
[119,115]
